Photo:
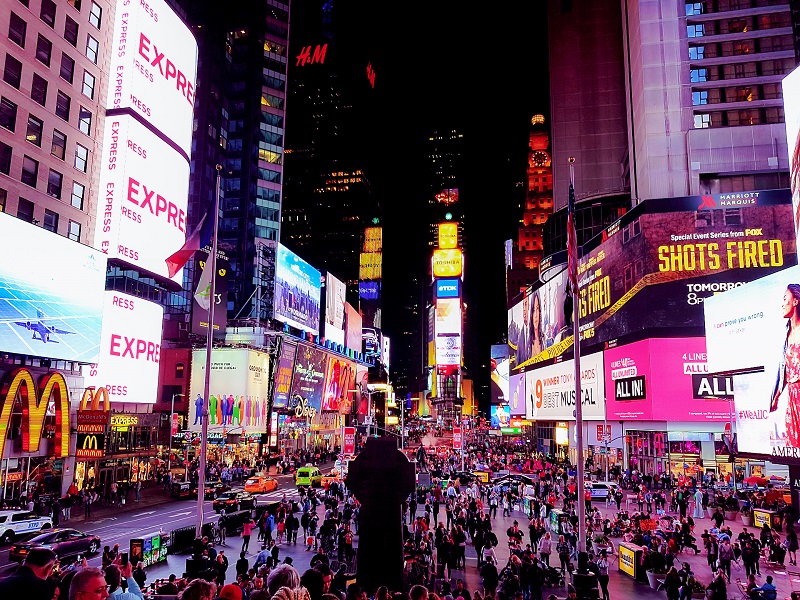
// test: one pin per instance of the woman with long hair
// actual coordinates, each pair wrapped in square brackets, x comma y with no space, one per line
[788,375]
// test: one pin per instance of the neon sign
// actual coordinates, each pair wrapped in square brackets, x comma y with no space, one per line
[308,56]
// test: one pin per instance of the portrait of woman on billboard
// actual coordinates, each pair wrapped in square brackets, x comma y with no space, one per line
[788,376]
[530,341]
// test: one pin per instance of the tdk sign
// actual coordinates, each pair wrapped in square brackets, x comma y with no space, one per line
[448,288]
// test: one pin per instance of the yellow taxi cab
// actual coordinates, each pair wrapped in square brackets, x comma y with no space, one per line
[260,484]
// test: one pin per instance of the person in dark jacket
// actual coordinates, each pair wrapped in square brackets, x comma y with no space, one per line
[33,580]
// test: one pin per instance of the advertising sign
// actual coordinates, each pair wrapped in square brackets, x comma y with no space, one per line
[90,445]
[750,327]
[297,291]
[141,218]
[238,390]
[361,405]
[49,310]
[340,379]
[372,341]
[791,112]
[130,349]
[200,313]
[551,390]
[499,374]
[448,235]
[352,328]
[373,239]
[448,349]
[335,291]
[501,417]
[153,67]
[456,438]
[448,288]
[369,290]
[448,263]
[627,560]
[283,376]
[664,379]
[309,377]
[370,266]
[349,446]
[516,397]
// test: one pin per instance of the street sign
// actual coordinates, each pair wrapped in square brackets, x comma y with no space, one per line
[175,420]
[456,438]
[349,440]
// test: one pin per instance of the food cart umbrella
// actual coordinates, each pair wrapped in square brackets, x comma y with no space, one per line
[755,480]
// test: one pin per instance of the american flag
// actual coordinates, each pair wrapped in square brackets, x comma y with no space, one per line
[572,240]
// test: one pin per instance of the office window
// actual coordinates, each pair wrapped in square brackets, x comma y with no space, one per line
[76,4]
[39,89]
[8,114]
[12,73]
[67,68]
[81,157]
[697,52]
[62,106]
[88,84]
[30,171]
[44,49]
[74,232]
[694,8]
[702,121]
[699,98]
[71,32]
[5,158]
[92,47]
[59,147]
[3,197]
[25,210]
[695,31]
[54,180]
[95,15]
[78,191]
[34,134]
[17,28]
[48,13]
[85,120]
[50,221]
[696,75]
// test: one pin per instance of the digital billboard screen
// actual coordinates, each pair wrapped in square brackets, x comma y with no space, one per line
[130,353]
[200,313]
[501,417]
[550,390]
[353,328]
[335,291]
[154,67]
[448,331]
[791,113]
[340,380]
[238,390]
[516,398]
[141,216]
[752,328]
[369,290]
[499,373]
[309,376]
[51,293]
[283,376]
[297,291]
[361,403]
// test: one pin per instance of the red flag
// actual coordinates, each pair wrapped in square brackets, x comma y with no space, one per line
[199,238]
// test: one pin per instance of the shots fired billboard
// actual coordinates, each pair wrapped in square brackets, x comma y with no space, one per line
[51,293]
[130,350]
[283,376]
[238,389]
[550,390]
[297,291]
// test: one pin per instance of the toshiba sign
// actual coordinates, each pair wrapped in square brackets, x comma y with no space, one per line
[144,186]
[130,349]
[153,68]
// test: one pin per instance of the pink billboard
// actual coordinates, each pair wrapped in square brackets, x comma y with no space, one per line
[664,379]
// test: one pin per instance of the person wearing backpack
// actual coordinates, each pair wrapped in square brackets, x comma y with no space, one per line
[725,556]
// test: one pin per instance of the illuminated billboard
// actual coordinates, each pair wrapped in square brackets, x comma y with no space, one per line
[665,379]
[238,390]
[500,417]
[369,290]
[448,235]
[153,69]
[352,328]
[51,293]
[283,375]
[499,374]
[373,239]
[751,327]
[141,216]
[448,288]
[340,380]
[130,349]
[448,263]
[791,113]
[200,312]
[370,266]
[516,398]
[335,292]
[309,377]
[550,390]
[297,291]
[371,338]
[448,331]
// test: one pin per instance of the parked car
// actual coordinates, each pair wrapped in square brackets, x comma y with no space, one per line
[15,523]
[260,484]
[233,501]
[213,489]
[64,542]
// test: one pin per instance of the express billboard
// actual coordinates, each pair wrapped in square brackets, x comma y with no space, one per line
[335,292]
[550,390]
[340,378]
[283,375]
[237,390]
[791,113]
[665,379]
[154,67]
[144,187]
[309,377]
[130,349]
[297,291]
[753,328]
[47,309]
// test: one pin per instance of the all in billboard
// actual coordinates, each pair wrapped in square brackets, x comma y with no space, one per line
[297,291]
[51,294]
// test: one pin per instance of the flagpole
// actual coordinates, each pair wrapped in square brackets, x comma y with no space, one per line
[577,375]
[211,263]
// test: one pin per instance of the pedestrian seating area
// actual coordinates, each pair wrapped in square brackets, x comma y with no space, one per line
[742,588]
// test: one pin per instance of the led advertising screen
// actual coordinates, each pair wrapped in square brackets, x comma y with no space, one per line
[537,327]
[550,390]
[448,235]
[448,288]
[200,312]
[499,373]
[335,291]
[130,349]
[48,309]
[665,379]
[283,376]
[340,380]
[369,290]
[501,417]
[309,377]
[448,331]
[352,328]
[386,350]
[238,390]
[791,112]
[361,403]
[447,262]
[373,239]
[297,291]
[752,327]
[153,68]
[516,390]
[141,218]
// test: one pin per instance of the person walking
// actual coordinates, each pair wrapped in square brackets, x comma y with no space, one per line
[791,544]
[247,529]
[726,555]
[699,511]
[602,574]
[87,504]
[545,548]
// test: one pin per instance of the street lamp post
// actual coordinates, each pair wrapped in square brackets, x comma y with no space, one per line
[171,420]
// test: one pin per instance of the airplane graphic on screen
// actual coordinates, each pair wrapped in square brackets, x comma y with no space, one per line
[41,329]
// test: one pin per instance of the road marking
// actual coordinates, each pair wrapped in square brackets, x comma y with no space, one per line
[180,514]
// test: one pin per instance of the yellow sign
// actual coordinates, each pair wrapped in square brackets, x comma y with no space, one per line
[448,262]
[562,435]
[448,235]
[92,399]
[627,561]
[90,446]
[124,421]
[392,420]
[761,517]
[93,419]
[483,476]
[370,266]
[373,239]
